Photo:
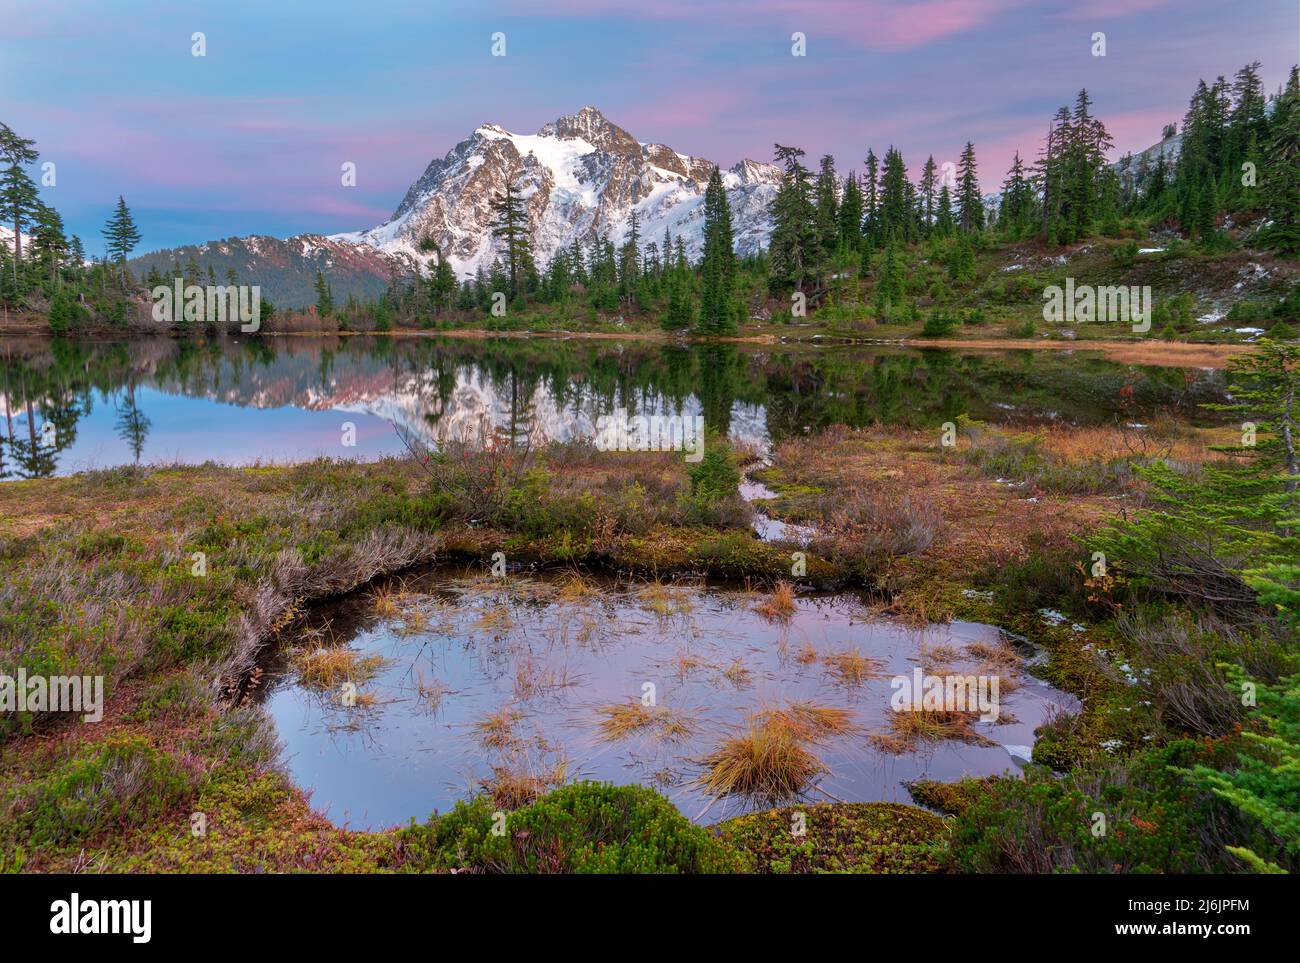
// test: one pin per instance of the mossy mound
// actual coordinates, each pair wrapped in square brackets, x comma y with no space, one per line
[839,838]
[952,798]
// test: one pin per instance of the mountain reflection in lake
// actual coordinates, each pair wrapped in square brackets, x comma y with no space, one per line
[464,682]
[69,406]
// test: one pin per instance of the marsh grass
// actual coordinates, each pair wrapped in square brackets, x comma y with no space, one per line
[768,761]
[327,668]
[738,674]
[495,620]
[497,729]
[623,719]
[910,727]
[523,781]
[576,587]
[851,668]
[663,600]
[430,693]
[780,604]
[810,722]
[534,677]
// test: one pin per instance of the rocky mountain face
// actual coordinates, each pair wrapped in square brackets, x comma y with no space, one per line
[582,176]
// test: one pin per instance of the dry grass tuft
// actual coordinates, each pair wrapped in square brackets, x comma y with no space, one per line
[576,587]
[807,654]
[497,730]
[431,693]
[769,762]
[521,784]
[936,726]
[623,719]
[687,663]
[812,723]
[780,604]
[495,620]
[330,667]
[534,678]
[664,600]
[738,674]
[851,668]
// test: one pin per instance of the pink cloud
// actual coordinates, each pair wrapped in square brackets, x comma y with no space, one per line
[877,24]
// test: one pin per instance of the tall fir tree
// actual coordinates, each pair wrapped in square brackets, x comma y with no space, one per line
[828,207]
[18,196]
[718,265]
[510,225]
[970,203]
[1281,172]
[795,246]
[121,237]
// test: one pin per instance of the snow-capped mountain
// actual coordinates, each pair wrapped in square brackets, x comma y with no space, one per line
[582,176]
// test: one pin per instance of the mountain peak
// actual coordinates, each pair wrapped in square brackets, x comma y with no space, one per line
[594,127]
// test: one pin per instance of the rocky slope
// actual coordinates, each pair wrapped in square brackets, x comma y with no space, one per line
[286,268]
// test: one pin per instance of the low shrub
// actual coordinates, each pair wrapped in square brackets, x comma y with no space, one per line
[1139,815]
[121,782]
[582,828]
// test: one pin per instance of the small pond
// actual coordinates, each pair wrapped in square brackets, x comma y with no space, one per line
[464,681]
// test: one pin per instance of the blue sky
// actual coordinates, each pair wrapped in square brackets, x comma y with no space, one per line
[250,138]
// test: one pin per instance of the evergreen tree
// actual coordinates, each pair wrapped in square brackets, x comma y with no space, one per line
[510,224]
[970,203]
[851,214]
[929,181]
[943,221]
[1281,172]
[870,197]
[718,267]
[18,197]
[895,218]
[796,254]
[828,207]
[120,237]
[324,297]
[48,241]
[1016,211]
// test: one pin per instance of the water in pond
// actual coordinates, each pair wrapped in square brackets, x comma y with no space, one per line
[67,406]
[489,682]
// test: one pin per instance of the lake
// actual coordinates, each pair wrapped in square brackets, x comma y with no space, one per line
[71,406]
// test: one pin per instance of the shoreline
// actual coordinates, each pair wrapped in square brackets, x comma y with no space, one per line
[1152,352]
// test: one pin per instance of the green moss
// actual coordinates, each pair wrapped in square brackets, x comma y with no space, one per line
[838,838]
[952,798]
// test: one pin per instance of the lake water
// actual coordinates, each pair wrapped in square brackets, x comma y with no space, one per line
[70,406]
